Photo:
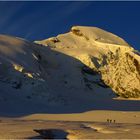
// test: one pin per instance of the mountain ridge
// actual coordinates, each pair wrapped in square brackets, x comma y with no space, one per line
[60,73]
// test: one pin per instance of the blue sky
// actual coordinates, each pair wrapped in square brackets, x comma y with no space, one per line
[40,20]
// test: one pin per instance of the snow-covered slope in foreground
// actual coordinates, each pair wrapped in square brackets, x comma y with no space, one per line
[101,51]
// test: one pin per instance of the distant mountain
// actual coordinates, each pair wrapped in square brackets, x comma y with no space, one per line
[84,65]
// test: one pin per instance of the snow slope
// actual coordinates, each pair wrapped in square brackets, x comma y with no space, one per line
[73,72]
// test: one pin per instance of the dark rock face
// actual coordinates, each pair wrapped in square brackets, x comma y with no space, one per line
[52,133]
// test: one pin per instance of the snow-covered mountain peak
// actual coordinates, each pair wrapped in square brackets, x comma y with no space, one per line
[97,34]
[83,67]
[103,52]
